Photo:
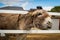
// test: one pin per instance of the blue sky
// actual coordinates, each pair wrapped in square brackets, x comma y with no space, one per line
[27,4]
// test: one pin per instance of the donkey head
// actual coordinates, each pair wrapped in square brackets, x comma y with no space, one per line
[41,19]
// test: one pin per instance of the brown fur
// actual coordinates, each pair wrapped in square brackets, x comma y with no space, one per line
[38,20]
[23,22]
[30,20]
[8,21]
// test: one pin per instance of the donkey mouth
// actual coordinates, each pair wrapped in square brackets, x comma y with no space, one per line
[49,27]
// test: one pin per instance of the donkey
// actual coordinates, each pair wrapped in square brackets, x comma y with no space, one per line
[38,18]
[35,19]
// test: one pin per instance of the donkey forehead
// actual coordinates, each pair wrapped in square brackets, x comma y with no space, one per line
[37,11]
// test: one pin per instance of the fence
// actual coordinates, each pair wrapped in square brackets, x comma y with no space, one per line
[28,31]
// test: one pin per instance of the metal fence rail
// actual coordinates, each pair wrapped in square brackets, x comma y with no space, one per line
[29,31]
[2,32]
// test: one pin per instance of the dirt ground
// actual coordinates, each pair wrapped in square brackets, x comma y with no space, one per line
[37,37]
[43,37]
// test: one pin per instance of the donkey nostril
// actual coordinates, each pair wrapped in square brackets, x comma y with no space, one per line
[48,22]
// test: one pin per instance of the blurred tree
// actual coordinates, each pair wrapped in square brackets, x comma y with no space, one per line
[55,9]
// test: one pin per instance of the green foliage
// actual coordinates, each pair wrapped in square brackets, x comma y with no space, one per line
[55,9]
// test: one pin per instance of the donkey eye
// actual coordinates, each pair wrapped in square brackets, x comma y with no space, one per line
[38,14]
